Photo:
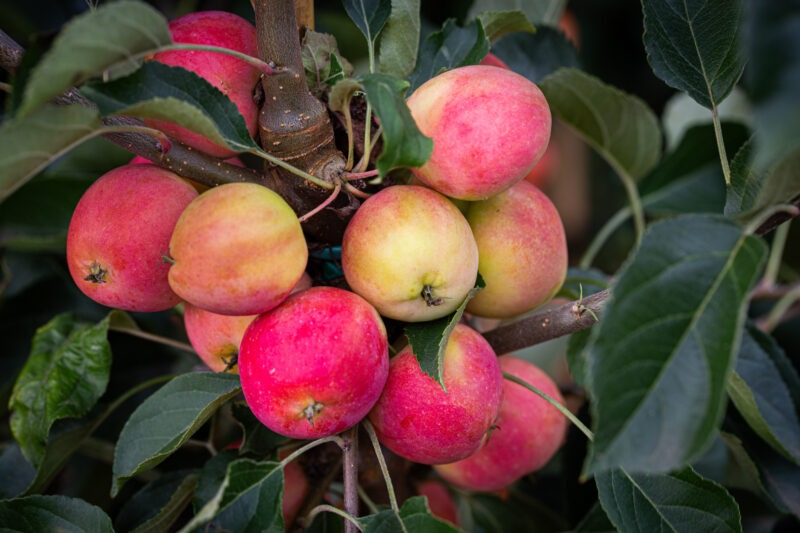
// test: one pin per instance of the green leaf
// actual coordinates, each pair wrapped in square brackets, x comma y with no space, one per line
[403,144]
[578,357]
[595,521]
[35,514]
[28,144]
[694,46]
[82,50]
[16,473]
[620,126]
[399,44]
[166,419]
[258,439]
[428,340]
[660,358]
[760,394]
[782,182]
[321,62]
[249,498]
[66,373]
[498,24]
[449,48]
[415,515]
[745,182]
[536,55]
[678,501]
[175,95]
[369,15]
[158,505]
[537,11]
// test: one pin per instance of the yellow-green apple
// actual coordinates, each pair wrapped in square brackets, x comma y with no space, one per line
[528,432]
[440,500]
[409,251]
[522,251]
[489,127]
[237,249]
[418,420]
[315,365]
[119,235]
[232,76]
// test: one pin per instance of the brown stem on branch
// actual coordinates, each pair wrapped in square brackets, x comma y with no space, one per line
[10,52]
[350,477]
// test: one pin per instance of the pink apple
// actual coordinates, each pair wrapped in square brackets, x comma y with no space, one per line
[418,420]
[494,61]
[315,365]
[522,251]
[528,432]
[119,234]
[410,252]
[489,127]
[235,78]
[238,249]
[440,500]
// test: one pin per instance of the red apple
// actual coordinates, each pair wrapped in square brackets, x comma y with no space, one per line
[522,251]
[119,235]
[489,127]
[238,249]
[493,60]
[418,420]
[440,500]
[409,252]
[528,432]
[546,168]
[234,77]
[315,365]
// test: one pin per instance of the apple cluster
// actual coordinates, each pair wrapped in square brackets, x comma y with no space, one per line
[314,360]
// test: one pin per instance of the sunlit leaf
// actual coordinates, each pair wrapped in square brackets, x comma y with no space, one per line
[397,53]
[498,24]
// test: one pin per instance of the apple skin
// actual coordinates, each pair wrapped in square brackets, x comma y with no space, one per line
[529,432]
[440,500]
[119,235]
[238,249]
[235,78]
[405,238]
[522,250]
[418,420]
[489,127]
[315,365]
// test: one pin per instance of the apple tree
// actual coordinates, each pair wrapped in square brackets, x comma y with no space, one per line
[609,341]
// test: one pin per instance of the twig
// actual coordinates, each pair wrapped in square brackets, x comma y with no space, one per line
[350,475]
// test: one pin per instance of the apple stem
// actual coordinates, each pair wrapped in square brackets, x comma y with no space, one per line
[360,175]
[323,205]
[351,521]
[427,295]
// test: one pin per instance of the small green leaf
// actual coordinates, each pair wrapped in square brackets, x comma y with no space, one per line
[536,55]
[694,46]
[745,182]
[369,15]
[321,61]
[28,144]
[66,373]
[158,505]
[429,339]
[660,358]
[620,126]
[679,501]
[82,50]
[166,419]
[403,144]
[498,24]
[537,11]
[762,397]
[176,95]
[449,48]
[397,53]
[415,515]
[35,514]
[342,92]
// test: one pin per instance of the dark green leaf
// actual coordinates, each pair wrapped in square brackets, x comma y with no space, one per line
[583,282]
[158,504]
[321,62]
[679,501]
[60,449]
[369,15]
[82,51]
[509,513]
[620,126]
[694,46]
[166,419]
[175,95]
[397,54]
[66,373]
[428,340]
[744,472]
[578,357]
[258,438]
[35,514]
[449,48]
[498,24]
[537,11]
[403,144]
[762,396]
[415,515]
[782,183]
[753,189]
[29,144]
[745,182]
[660,358]
[536,55]
[595,521]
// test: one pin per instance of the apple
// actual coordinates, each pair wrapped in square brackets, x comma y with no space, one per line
[315,365]
[545,169]
[119,235]
[295,489]
[237,249]
[489,127]
[418,420]
[410,252]
[528,432]
[232,76]
[494,61]
[440,500]
[522,251]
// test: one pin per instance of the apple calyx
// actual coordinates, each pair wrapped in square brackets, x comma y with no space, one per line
[232,361]
[97,274]
[427,295]
[311,410]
